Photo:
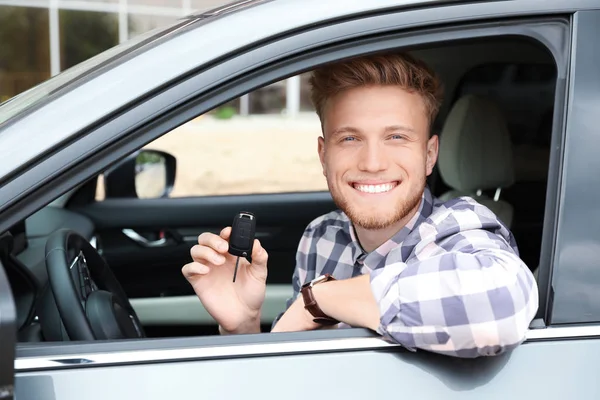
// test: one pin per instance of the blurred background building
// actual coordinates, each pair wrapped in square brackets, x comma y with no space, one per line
[40,38]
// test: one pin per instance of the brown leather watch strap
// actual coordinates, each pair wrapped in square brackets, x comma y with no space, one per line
[310,304]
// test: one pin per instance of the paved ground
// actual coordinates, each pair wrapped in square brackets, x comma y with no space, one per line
[257,154]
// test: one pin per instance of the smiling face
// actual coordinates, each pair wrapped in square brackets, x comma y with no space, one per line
[376,154]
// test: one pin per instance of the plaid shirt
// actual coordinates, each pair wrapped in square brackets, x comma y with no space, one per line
[451,281]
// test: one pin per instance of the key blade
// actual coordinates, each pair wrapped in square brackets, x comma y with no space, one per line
[237,261]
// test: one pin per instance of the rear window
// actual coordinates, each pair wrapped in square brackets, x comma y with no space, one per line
[524,92]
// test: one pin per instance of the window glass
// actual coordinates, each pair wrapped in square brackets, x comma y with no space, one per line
[139,23]
[84,34]
[24,53]
[40,92]
[535,73]
[158,3]
[524,92]
[204,5]
[66,2]
[485,74]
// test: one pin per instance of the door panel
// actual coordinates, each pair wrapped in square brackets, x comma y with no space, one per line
[186,311]
[535,370]
[151,275]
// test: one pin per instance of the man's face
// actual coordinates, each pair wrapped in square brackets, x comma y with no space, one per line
[376,153]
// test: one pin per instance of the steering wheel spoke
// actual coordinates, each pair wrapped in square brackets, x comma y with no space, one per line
[80,276]
[90,301]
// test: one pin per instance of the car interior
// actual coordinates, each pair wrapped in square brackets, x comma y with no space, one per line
[495,127]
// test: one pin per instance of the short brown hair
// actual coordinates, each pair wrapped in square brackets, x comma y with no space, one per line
[400,70]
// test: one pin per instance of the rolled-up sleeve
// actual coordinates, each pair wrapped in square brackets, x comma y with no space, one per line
[464,293]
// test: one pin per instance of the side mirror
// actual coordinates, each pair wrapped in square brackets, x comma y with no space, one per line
[145,174]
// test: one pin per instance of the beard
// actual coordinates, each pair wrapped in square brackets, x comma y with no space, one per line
[377,219]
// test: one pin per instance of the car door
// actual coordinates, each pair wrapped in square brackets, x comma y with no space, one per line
[293,365]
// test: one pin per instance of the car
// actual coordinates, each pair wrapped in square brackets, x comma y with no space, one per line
[92,300]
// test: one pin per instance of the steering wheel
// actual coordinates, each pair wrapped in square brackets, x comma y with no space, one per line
[91,302]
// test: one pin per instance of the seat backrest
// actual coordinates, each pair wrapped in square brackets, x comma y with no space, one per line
[476,154]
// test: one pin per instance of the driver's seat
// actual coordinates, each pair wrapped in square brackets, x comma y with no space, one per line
[475,154]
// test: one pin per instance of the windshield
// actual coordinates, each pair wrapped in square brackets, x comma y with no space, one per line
[37,94]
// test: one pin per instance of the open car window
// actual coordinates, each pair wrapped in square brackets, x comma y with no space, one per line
[433,53]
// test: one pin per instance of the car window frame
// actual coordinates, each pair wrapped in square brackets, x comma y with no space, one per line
[574,226]
[249,81]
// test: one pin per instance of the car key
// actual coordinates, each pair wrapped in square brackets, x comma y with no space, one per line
[241,239]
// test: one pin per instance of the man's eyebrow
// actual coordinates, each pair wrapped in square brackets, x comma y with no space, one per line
[391,128]
[394,128]
[345,129]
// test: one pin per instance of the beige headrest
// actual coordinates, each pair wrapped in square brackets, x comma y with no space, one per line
[475,147]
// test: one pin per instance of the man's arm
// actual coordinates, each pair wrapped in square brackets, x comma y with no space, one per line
[472,305]
[350,301]
[465,294]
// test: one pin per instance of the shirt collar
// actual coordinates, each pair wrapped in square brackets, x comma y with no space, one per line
[360,255]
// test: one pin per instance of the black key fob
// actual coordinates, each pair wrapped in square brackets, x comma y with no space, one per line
[241,239]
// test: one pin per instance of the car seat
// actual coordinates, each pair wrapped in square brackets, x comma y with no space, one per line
[475,154]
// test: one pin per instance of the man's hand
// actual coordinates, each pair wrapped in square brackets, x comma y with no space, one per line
[234,305]
[295,319]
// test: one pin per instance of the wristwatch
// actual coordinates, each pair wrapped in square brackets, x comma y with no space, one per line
[310,304]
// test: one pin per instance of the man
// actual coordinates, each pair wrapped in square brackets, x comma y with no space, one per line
[444,277]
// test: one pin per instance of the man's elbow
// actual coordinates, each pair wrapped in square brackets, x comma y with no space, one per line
[492,342]
[480,342]
[499,336]
[487,339]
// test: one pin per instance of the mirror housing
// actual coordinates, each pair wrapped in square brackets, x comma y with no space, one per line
[143,174]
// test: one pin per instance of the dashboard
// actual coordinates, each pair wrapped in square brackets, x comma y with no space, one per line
[40,226]
[26,270]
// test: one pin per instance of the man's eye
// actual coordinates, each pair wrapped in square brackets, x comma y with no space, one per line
[397,137]
[348,139]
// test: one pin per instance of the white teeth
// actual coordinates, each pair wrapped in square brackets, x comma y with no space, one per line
[375,188]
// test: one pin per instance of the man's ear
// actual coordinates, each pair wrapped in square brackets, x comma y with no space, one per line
[432,153]
[321,150]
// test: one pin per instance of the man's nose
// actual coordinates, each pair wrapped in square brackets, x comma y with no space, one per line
[372,158]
